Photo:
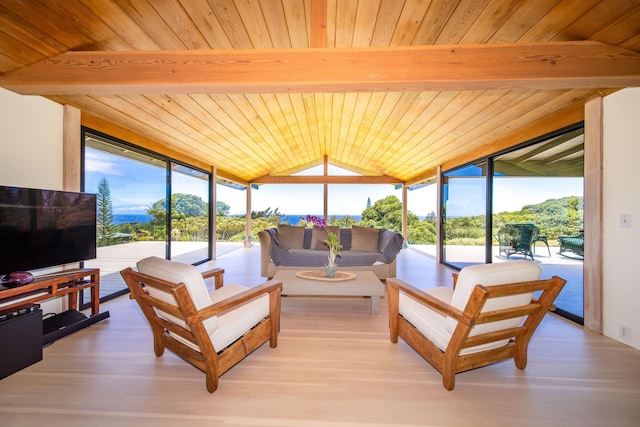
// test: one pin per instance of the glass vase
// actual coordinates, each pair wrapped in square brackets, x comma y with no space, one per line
[330,270]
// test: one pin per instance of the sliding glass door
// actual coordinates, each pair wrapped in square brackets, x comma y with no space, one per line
[541,186]
[464,216]
[535,195]
[189,214]
[134,219]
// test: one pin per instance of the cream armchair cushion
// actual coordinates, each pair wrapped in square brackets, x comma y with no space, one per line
[439,328]
[177,272]
[235,323]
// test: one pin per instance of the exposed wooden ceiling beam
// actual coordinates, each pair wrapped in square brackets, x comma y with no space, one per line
[319,179]
[553,65]
[318,23]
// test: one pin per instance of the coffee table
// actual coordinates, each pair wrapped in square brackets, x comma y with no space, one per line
[365,284]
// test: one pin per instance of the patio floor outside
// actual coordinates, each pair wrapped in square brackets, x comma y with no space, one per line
[112,259]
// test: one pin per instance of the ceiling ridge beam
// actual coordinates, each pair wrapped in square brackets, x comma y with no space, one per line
[549,65]
[322,179]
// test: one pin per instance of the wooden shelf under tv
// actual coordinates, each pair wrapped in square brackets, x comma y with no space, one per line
[69,283]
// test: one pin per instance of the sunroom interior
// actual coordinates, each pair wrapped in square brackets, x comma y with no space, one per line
[251,94]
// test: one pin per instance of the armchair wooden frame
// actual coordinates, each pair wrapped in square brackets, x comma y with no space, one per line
[450,362]
[213,362]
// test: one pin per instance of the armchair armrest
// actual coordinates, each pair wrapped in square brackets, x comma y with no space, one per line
[217,274]
[265,251]
[272,287]
[426,299]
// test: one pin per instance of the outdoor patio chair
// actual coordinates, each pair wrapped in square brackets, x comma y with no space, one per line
[573,244]
[212,331]
[517,238]
[489,316]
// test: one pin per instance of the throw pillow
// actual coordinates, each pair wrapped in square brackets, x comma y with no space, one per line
[291,236]
[364,239]
[319,235]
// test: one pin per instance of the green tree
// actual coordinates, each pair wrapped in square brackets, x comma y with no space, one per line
[229,227]
[106,226]
[267,213]
[183,204]
[553,217]
[190,229]
[189,215]
[258,225]
[386,213]
[222,209]
[344,222]
[188,205]
[422,232]
[159,221]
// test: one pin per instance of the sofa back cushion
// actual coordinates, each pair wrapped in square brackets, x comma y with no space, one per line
[364,239]
[291,236]
[319,235]
[488,275]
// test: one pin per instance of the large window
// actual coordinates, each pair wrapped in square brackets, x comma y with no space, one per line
[464,217]
[535,195]
[134,218]
[542,185]
[190,200]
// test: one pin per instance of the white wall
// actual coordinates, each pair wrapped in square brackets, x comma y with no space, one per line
[30,141]
[621,302]
[31,149]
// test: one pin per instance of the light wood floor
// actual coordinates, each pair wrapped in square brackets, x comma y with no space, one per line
[334,366]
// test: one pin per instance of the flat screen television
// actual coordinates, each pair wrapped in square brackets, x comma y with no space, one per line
[45,228]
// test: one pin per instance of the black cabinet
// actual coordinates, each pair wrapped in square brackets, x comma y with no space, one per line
[20,338]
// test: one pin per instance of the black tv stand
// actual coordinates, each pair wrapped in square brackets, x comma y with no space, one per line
[67,322]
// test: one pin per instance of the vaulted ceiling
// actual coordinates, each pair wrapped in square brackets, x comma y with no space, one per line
[264,89]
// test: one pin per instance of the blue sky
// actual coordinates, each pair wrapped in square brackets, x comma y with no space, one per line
[135,196]
[509,193]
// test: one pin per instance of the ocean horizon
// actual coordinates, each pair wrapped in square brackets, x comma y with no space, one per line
[295,218]
[119,219]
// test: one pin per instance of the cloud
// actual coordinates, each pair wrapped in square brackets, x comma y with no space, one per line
[99,162]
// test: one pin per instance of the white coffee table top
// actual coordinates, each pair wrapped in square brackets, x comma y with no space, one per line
[365,283]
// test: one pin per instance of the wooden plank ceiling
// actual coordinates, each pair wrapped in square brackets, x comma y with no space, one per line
[261,134]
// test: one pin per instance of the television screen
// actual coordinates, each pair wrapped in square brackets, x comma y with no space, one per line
[45,228]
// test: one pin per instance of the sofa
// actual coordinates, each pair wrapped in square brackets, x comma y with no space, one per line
[298,248]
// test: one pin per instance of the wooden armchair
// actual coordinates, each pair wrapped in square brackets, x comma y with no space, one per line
[490,316]
[213,331]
